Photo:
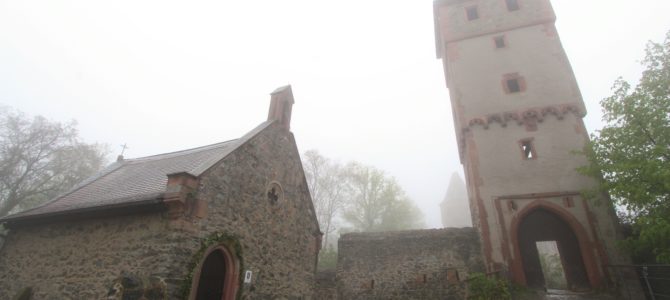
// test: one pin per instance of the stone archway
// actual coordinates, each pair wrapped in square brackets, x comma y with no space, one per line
[216,277]
[543,225]
[569,227]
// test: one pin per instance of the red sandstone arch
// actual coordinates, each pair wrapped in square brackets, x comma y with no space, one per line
[586,245]
[230,271]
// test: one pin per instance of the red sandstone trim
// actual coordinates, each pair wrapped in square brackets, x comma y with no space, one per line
[599,246]
[505,239]
[230,282]
[481,209]
[540,195]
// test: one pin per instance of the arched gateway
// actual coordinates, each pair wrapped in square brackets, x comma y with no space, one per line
[216,277]
[542,225]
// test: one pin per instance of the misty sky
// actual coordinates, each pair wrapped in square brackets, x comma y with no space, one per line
[168,75]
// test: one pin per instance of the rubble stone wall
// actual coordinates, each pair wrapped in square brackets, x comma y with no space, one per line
[416,264]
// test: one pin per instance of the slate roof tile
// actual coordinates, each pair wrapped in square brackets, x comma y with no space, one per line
[135,180]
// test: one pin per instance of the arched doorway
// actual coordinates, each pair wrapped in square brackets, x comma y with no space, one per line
[216,277]
[542,225]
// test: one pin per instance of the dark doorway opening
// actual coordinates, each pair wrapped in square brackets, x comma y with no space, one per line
[212,277]
[542,225]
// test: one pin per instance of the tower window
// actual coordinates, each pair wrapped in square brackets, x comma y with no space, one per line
[527,149]
[499,41]
[472,13]
[513,85]
[512,5]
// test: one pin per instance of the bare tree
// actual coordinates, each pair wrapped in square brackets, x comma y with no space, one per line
[40,159]
[324,179]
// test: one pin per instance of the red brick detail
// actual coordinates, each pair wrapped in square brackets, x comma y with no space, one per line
[599,246]
[568,202]
[179,197]
[529,117]
[505,239]
[476,181]
[585,243]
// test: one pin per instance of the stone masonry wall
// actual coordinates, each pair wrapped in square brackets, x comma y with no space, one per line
[150,256]
[417,264]
[81,259]
[325,287]
[277,238]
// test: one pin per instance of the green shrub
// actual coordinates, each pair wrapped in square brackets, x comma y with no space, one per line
[482,287]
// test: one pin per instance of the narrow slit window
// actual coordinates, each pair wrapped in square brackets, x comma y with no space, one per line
[527,149]
[499,41]
[512,5]
[513,85]
[472,13]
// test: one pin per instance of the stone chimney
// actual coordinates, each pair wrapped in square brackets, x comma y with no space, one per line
[281,103]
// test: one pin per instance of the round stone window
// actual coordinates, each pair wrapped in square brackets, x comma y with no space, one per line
[274,192]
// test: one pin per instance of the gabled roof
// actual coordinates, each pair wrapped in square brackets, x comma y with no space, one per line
[135,181]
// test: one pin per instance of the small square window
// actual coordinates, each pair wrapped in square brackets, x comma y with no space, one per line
[512,5]
[499,41]
[527,149]
[472,13]
[513,85]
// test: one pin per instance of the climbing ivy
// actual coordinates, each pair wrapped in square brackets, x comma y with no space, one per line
[482,287]
[218,238]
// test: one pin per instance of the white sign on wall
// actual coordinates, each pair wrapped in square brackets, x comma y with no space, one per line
[247,276]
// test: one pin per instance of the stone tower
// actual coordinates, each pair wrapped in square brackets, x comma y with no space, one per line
[454,208]
[518,116]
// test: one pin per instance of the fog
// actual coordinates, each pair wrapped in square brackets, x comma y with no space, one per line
[161,76]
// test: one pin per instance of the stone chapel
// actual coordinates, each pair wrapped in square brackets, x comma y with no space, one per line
[232,220]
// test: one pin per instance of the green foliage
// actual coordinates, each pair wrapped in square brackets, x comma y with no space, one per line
[482,287]
[632,152]
[553,271]
[327,259]
[40,159]
[376,202]
[218,238]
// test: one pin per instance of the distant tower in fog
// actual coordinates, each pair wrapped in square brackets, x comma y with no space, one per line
[455,208]
[518,117]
